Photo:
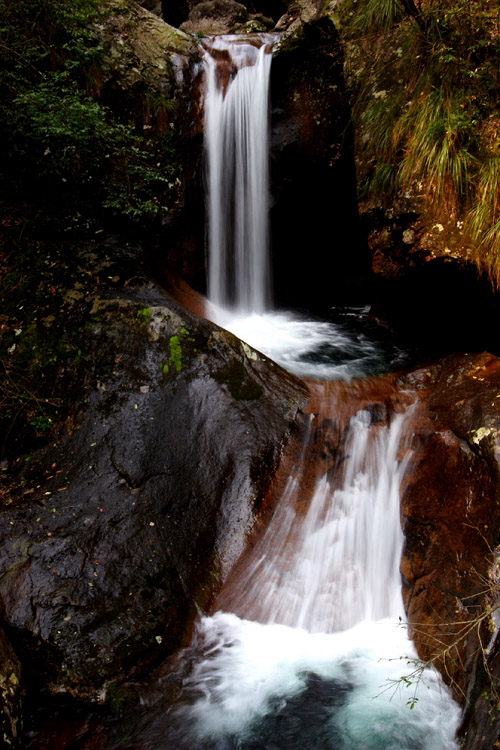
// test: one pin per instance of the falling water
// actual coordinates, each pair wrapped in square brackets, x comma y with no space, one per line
[305,648]
[236,147]
[237,195]
[330,556]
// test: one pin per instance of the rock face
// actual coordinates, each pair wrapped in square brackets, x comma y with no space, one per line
[215,17]
[126,525]
[315,239]
[451,520]
[144,65]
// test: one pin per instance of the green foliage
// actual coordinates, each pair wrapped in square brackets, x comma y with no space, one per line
[42,422]
[438,141]
[38,37]
[437,129]
[483,220]
[66,153]
[376,15]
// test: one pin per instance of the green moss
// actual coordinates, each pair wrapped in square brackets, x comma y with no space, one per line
[144,314]
[240,385]
[175,353]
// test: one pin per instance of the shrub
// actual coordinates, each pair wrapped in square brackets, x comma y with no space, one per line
[65,152]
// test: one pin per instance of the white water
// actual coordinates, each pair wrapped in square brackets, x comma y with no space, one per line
[324,662]
[336,563]
[313,348]
[237,187]
[236,147]
[271,687]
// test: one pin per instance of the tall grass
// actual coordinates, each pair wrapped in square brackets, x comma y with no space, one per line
[438,142]
[430,82]
[377,15]
[483,219]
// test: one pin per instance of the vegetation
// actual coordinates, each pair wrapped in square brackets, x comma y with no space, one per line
[65,153]
[72,171]
[437,130]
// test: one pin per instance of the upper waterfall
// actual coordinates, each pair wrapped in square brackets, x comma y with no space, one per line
[237,156]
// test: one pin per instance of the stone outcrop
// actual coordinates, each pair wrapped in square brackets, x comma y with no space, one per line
[451,520]
[219,16]
[215,17]
[313,213]
[142,73]
[122,528]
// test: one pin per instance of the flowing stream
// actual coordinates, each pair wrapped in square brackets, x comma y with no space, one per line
[306,647]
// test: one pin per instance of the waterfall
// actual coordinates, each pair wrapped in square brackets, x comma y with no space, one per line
[236,148]
[330,557]
[305,647]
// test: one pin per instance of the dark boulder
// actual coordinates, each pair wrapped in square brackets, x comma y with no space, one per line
[215,17]
[318,256]
[127,523]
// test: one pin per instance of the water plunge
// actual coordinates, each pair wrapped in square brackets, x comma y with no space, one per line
[306,648]
[238,254]
[236,145]
[329,558]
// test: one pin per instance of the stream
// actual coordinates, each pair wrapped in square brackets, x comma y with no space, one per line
[306,645]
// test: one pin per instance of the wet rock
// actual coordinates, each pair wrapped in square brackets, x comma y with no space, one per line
[451,521]
[125,526]
[313,213]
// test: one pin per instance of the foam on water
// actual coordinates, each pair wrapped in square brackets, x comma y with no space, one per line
[272,686]
[323,349]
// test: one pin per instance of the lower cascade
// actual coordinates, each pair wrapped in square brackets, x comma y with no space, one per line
[307,647]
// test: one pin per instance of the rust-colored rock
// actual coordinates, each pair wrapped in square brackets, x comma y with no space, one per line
[451,520]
